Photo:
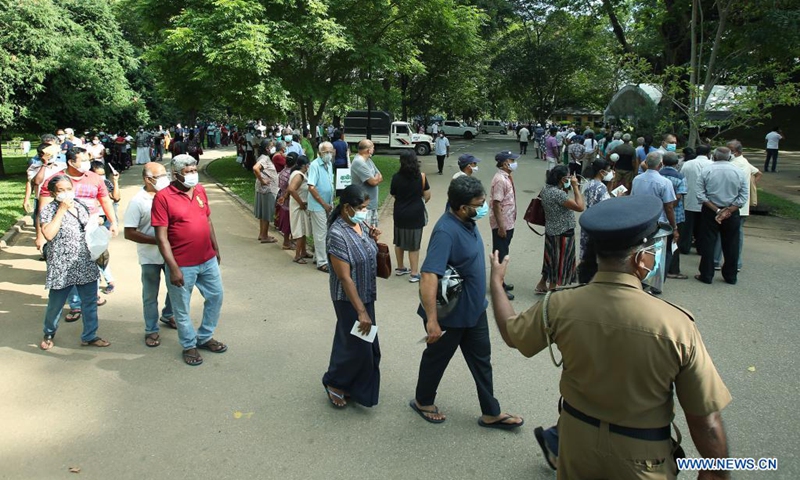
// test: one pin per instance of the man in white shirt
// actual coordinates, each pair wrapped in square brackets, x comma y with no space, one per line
[692,170]
[435,128]
[442,147]
[524,135]
[138,229]
[751,176]
[773,138]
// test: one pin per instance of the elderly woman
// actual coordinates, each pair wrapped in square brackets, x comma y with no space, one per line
[69,262]
[282,222]
[411,192]
[298,208]
[595,192]
[266,195]
[558,267]
[576,152]
[353,371]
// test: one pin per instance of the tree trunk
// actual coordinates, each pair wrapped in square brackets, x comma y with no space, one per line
[2,167]
[403,95]
[693,74]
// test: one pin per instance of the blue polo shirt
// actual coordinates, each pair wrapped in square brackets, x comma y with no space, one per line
[320,175]
[341,153]
[459,244]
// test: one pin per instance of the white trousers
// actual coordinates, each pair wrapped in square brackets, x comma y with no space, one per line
[319,229]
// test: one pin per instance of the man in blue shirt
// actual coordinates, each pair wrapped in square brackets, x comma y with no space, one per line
[320,201]
[342,157]
[456,242]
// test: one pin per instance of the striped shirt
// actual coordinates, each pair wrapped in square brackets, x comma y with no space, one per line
[360,252]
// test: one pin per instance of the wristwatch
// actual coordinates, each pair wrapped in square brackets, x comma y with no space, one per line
[719,210]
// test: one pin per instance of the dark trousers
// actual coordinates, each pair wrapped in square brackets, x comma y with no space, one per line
[673,259]
[728,232]
[440,162]
[477,351]
[575,169]
[501,244]
[523,148]
[772,154]
[688,230]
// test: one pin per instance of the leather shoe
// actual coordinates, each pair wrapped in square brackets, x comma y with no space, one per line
[510,295]
[508,287]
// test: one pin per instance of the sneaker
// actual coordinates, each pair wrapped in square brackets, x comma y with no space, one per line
[402,271]
[414,278]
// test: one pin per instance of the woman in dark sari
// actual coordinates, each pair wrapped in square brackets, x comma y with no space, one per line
[353,372]
[282,221]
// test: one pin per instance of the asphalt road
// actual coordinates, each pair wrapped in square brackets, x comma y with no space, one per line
[259,410]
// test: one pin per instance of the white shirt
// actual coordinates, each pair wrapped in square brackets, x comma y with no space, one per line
[772,140]
[524,135]
[435,128]
[138,216]
[590,144]
[441,145]
[49,171]
[692,170]
[749,170]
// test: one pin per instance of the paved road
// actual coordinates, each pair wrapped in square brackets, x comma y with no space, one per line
[259,411]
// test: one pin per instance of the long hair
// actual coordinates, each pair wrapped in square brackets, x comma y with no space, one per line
[409,165]
[556,174]
[353,195]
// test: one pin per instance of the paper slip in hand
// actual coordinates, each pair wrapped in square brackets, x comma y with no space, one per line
[619,191]
[674,247]
[370,337]
[425,338]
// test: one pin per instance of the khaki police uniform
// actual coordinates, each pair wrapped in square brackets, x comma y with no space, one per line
[624,351]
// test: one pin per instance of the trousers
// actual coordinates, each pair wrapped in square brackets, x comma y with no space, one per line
[707,233]
[688,230]
[319,229]
[477,350]
[500,244]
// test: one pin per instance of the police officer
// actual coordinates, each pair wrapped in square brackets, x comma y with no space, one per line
[624,353]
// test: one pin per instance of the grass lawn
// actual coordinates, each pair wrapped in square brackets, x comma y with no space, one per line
[778,206]
[12,189]
[242,183]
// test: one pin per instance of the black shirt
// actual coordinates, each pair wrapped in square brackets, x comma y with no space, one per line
[626,154]
[409,206]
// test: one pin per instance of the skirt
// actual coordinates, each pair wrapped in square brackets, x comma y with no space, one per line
[408,239]
[264,208]
[558,266]
[282,221]
[300,222]
[354,364]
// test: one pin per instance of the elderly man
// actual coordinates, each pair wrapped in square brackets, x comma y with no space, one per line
[614,143]
[320,200]
[364,172]
[722,191]
[186,239]
[291,145]
[138,229]
[467,165]
[678,181]
[692,170]
[751,177]
[628,354]
[503,211]
[652,183]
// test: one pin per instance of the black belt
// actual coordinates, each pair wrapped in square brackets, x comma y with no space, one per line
[650,434]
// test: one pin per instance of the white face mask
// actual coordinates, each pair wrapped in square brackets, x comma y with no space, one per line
[272,150]
[608,177]
[96,142]
[512,166]
[161,183]
[474,168]
[327,157]
[67,196]
[191,179]
[84,166]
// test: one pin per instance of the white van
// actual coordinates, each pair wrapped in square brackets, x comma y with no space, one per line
[493,126]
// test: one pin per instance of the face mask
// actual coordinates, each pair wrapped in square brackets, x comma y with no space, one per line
[671,147]
[272,150]
[96,142]
[161,183]
[481,212]
[656,260]
[84,166]
[608,177]
[65,196]
[61,138]
[287,138]
[474,168]
[327,157]
[359,216]
[513,166]
[567,185]
[190,180]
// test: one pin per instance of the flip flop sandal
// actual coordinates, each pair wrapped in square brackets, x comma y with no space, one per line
[73,316]
[269,240]
[169,322]
[500,424]
[424,414]
[329,392]
[101,301]
[47,342]
[540,292]
[213,346]
[323,268]
[97,342]
[300,261]
[152,340]
[538,432]
[192,357]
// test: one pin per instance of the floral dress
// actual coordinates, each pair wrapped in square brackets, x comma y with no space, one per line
[68,259]
[594,193]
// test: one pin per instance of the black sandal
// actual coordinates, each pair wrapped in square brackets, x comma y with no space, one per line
[213,346]
[152,340]
[192,357]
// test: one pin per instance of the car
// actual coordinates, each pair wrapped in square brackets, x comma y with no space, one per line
[493,126]
[453,128]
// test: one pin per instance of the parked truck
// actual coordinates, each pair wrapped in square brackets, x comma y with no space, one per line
[384,131]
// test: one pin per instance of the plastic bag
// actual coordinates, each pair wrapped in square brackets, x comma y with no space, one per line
[97,238]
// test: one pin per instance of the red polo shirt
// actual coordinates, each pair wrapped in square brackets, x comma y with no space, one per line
[186,219]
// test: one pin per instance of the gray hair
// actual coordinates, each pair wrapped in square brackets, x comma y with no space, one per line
[722,154]
[653,160]
[670,159]
[327,145]
[626,137]
[279,146]
[735,146]
[640,140]
[617,135]
[182,161]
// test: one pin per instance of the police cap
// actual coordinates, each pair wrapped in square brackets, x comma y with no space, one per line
[624,222]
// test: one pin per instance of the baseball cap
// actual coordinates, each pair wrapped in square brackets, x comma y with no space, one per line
[466,159]
[505,155]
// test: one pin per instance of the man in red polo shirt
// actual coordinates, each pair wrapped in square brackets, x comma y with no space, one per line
[185,235]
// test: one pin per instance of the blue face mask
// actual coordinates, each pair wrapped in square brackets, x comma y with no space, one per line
[671,147]
[287,138]
[359,216]
[656,250]
[481,212]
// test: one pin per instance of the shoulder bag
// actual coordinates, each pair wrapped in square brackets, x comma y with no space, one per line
[535,214]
